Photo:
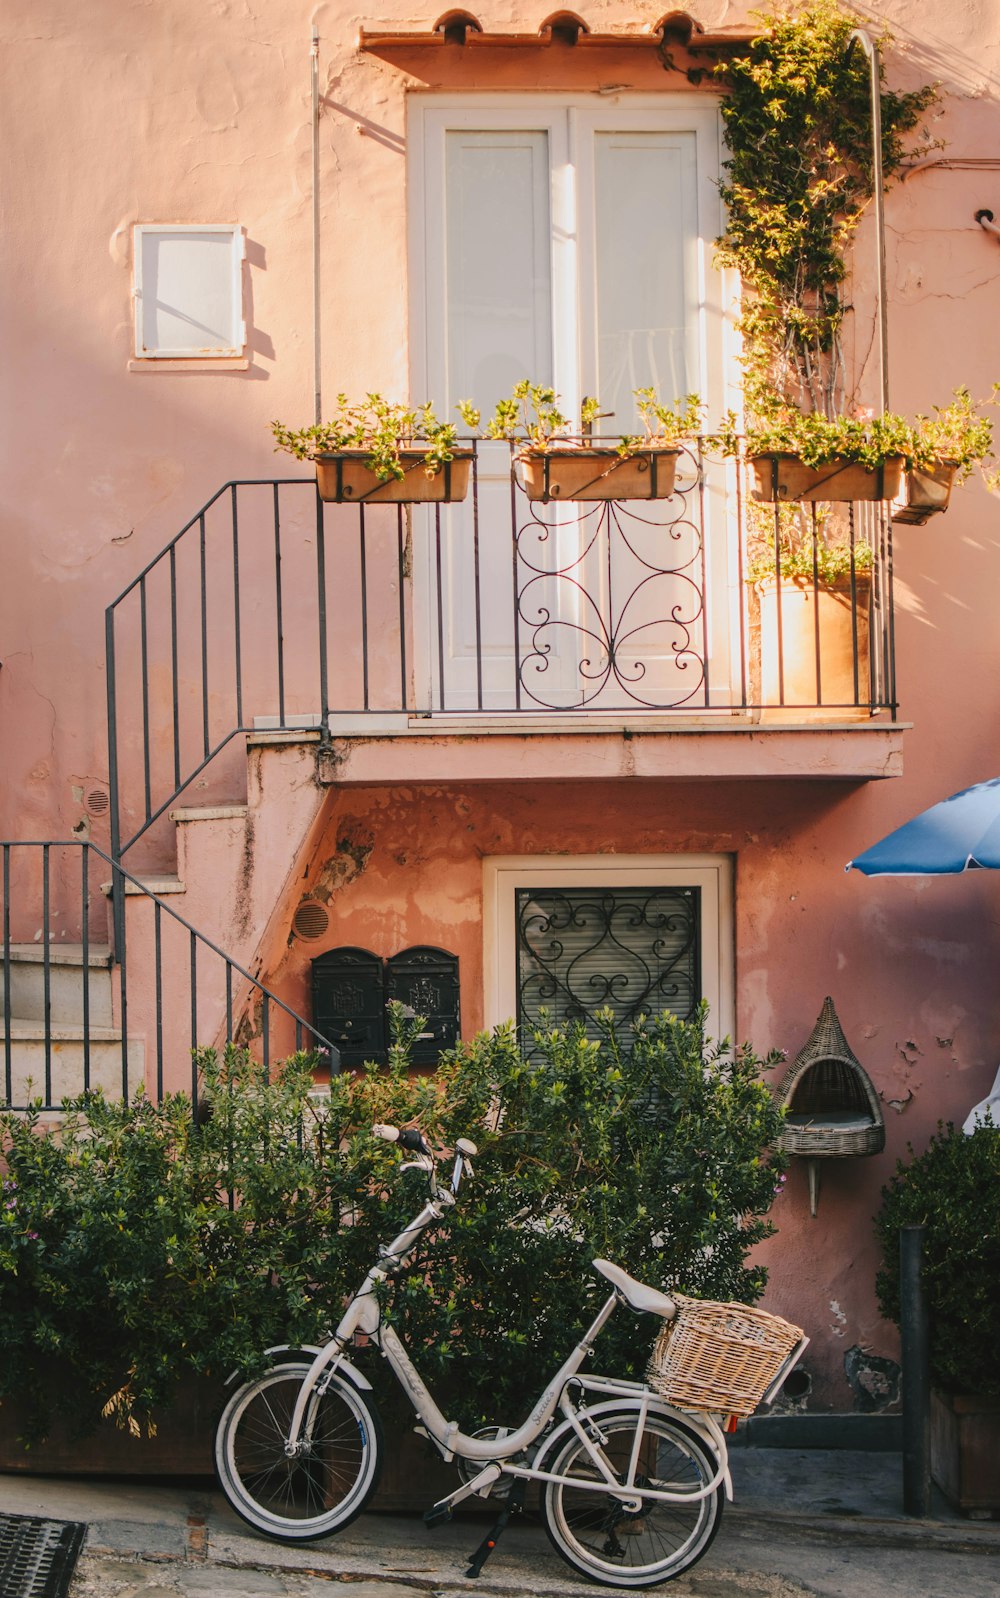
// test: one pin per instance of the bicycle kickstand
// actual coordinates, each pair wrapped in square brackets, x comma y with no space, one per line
[512,1506]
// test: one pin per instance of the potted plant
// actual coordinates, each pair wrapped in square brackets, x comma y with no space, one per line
[376,451]
[947,446]
[953,1190]
[798,456]
[809,578]
[554,463]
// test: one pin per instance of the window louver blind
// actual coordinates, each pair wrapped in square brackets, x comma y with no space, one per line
[580,950]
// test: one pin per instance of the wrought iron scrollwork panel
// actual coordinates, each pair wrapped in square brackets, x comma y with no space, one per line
[580,950]
[610,602]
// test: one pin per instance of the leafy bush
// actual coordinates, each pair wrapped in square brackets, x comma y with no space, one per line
[953,1189]
[532,417]
[379,427]
[122,1260]
[137,1246]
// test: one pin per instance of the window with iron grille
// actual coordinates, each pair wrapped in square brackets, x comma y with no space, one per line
[633,950]
[575,934]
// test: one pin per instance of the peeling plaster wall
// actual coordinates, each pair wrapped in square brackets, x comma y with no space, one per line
[121,112]
[402,866]
[124,112]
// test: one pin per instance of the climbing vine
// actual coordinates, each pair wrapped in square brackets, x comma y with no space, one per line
[797,122]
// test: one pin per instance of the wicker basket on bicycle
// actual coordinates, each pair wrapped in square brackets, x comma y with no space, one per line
[719,1357]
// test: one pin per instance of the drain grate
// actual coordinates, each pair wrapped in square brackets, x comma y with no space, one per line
[38,1557]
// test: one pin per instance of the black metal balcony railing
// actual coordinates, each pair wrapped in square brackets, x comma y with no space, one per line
[65,1002]
[270,608]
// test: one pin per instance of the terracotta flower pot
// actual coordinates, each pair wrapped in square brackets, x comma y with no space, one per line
[925,494]
[784,478]
[598,474]
[815,622]
[345,478]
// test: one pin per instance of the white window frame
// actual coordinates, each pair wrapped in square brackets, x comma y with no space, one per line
[237,348]
[569,118]
[713,874]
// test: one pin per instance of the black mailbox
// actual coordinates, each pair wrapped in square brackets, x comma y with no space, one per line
[351,988]
[425,980]
[349,1003]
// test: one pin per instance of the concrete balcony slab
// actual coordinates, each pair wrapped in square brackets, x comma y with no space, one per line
[520,749]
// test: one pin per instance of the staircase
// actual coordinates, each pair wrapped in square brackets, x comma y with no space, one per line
[61,1035]
[78,1012]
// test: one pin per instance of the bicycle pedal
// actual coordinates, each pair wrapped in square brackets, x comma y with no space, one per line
[437,1515]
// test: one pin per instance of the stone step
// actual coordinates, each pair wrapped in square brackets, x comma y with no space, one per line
[210,813]
[25,963]
[98,954]
[160,884]
[67,1061]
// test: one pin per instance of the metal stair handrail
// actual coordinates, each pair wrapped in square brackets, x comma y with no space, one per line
[195,940]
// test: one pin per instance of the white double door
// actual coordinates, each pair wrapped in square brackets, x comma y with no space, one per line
[568,241]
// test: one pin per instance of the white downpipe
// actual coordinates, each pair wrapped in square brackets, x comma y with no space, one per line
[314,75]
[868,45]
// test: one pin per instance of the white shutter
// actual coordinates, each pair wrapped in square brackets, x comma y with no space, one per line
[188,291]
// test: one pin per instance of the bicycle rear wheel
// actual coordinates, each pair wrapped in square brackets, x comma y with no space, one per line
[327,1485]
[618,1546]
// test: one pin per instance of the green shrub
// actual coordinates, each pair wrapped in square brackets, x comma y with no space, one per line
[953,1189]
[138,1246]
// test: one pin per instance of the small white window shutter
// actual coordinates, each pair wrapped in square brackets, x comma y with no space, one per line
[188,285]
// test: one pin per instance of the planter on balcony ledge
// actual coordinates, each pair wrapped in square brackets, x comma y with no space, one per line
[573,472]
[785,478]
[814,643]
[925,493]
[345,477]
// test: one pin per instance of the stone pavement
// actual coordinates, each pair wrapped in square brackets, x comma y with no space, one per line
[804,1524]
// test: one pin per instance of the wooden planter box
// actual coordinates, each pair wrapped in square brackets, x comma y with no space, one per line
[784,478]
[924,494]
[345,479]
[809,694]
[590,475]
[414,1477]
[182,1445]
[965,1452]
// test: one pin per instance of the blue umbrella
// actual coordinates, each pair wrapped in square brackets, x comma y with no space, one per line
[959,834]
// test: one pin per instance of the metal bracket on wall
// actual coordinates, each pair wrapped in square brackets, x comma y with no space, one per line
[986,222]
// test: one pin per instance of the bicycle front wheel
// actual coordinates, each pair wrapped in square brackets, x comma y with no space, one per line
[632,1545]
[327,1484]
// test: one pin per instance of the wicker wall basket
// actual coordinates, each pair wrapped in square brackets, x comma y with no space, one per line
[722,1358]
[831,1107]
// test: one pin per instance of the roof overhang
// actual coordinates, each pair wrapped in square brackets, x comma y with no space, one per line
[462,30]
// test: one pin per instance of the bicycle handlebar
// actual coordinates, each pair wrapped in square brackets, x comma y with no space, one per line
[413,1140]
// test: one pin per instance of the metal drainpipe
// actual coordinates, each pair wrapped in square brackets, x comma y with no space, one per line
[859,36]
[314,72]
[915,1338]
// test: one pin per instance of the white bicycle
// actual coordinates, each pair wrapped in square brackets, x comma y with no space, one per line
[631,1487]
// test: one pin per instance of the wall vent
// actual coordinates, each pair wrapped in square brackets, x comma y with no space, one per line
[310,920]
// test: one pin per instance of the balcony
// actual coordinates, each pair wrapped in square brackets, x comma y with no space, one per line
[430,643]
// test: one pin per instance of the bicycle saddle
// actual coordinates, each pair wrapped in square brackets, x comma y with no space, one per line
[636,1295]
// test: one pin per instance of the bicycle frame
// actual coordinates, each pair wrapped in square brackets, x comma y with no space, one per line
[498,1455]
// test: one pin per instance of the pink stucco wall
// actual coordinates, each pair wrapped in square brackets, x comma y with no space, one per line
[903,962]
[120,112]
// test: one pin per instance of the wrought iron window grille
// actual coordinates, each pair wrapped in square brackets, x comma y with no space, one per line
[632,951]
